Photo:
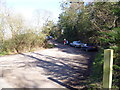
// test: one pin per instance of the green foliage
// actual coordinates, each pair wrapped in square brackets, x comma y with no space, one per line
[110,39]
[15,35]
[98,67]
[116,66]
[97,22]
[60,39]
[49,45]
[23,42]
[3,53]
[48,28]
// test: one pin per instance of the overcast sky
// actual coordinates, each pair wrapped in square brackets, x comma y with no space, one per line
[27,7]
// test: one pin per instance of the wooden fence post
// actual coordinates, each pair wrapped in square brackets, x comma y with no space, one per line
[107,72]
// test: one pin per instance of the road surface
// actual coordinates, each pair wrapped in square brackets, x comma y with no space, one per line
[59,67]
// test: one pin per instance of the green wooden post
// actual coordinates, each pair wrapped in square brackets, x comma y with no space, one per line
[108,63]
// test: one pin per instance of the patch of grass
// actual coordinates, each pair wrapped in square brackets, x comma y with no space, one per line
[3,53]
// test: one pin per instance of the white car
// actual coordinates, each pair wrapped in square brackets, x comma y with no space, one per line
[76,44]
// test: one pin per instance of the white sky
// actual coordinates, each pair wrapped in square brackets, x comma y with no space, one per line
[27,7]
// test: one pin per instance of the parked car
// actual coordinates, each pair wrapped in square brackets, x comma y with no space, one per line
[49,37]
[89,47]
[76,44]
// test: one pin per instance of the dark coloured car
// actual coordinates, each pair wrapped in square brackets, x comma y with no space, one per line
[89,47]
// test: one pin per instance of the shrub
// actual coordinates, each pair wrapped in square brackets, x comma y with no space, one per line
[97,67]
[23,42]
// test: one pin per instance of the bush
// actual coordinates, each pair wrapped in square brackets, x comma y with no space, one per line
[60,39]
[3,53]
[49,45]
[97,70]
[23,42]
[116,67]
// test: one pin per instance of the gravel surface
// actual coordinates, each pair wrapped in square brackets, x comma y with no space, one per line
[59,67]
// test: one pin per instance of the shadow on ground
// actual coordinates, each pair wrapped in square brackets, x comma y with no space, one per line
[64,71]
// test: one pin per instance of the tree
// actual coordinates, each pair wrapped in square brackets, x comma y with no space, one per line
[98,23]
[48,28]
[16,24]
[2,20]
[41,17]
[75,21]
[14,35]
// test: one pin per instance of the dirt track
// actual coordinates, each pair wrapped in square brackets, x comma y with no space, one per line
[59,67]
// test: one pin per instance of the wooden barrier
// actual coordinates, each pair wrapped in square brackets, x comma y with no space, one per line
[107,72]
